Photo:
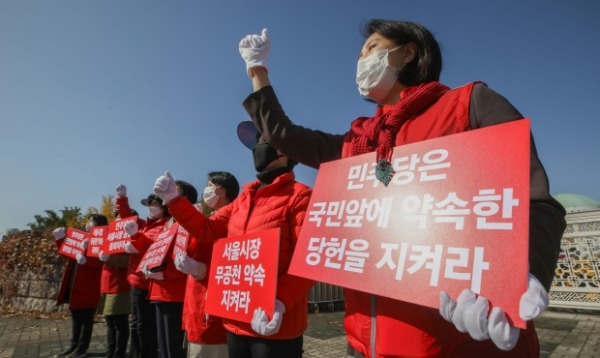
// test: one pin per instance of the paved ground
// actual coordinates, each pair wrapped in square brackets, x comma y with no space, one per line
[562,334]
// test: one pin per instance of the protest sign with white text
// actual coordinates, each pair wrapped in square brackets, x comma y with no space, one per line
[96,238]
[454,216]
[243,275]
[156,253]
[72,243]
[117,237]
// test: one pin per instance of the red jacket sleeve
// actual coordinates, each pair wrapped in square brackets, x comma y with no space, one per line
[124,210]
[202,228]
[141,242]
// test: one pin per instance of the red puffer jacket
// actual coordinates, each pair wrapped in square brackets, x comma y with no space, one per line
[80,284]
[281,204]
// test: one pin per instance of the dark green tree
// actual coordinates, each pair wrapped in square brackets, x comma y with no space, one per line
[69,217]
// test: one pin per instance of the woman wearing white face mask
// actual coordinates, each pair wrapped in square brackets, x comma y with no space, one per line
[399,68]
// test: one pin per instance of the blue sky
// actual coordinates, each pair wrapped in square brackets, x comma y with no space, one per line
[97,93]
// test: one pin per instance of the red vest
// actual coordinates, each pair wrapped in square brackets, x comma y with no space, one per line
[408,330]
[449,115]
[403,329]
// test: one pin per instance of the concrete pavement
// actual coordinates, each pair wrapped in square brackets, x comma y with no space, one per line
[562,334]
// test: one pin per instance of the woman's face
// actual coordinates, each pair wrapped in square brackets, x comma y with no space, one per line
[156,210]
[374,43]
[219,190]
[398,58]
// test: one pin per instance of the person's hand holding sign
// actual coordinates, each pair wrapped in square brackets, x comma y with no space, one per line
[153,275]
[261,324]
[81,260]
[59,233]
[191,267]
[130,249]
[130,227]
[103,257]
[470,314]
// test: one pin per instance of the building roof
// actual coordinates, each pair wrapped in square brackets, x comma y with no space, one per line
[575,202]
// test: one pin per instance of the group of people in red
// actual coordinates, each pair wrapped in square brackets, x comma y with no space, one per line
[398,69]
[167,303]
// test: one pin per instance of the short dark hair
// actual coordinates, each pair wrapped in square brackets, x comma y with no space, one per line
[186,189]
[99,219]
[427,65]
[227,181]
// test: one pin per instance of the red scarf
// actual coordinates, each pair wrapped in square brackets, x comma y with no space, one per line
[379,132]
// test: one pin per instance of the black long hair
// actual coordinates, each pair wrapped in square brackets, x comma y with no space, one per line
[227,181]
[427,64]
[99,219]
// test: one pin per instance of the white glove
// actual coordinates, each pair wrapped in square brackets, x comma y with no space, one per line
[59,233]
[84,244]
[469,314]
[130,249]
[103,257]
[165,187]
[81,260]
[189,266]
[261,324]
[255,50]
[130,227]
[153,275]
[121,190]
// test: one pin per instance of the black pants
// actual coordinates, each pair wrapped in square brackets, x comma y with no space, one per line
[117,335]
[143,331]
[253,347]
[168,329]
[82,324]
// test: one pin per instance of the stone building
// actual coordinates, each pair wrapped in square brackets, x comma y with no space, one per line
[577,280]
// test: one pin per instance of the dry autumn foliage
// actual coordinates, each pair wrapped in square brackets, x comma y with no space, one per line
[28,251]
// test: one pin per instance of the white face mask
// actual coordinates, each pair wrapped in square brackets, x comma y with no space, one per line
[154,212]
[89,225]
[374,75]
[210,196]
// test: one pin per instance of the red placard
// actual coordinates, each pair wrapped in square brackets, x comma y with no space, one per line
[454,216]
[243,275]
[96,238]
[116,238]
[71,245]
[181,242]
[156,253]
